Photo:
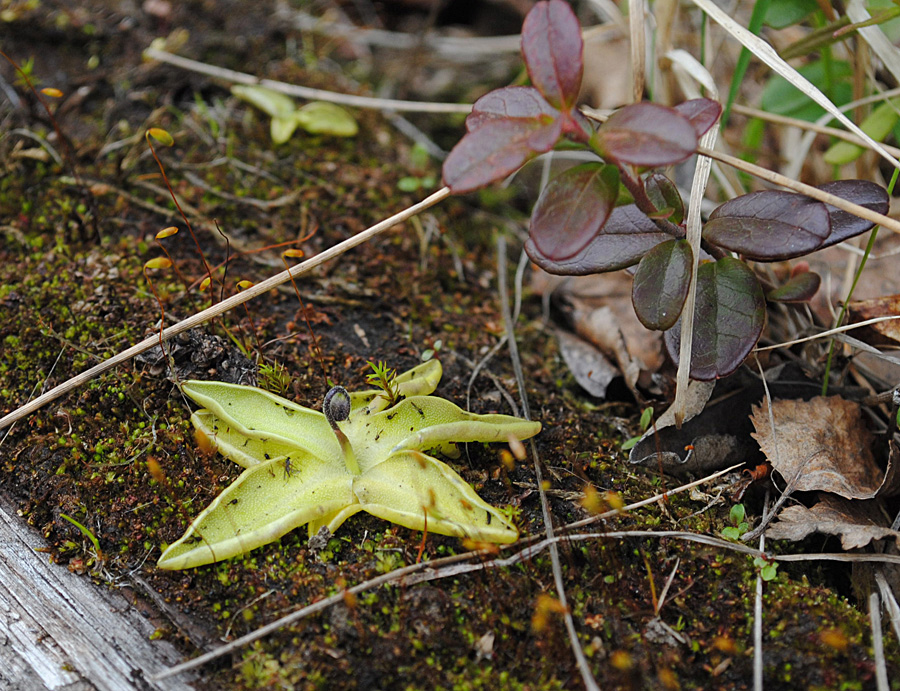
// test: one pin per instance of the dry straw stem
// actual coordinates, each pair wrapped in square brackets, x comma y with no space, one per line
[306,92]
[830,332]
[222,307]
[637,9]
[812,126]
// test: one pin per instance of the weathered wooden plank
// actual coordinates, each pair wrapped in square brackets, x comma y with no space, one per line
[60,631]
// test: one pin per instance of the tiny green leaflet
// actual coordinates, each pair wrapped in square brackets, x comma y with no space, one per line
[299,471]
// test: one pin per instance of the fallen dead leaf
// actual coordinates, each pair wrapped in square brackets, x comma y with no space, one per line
[819,445]
[856,522]
[882,333]
[591,369]
[600,311]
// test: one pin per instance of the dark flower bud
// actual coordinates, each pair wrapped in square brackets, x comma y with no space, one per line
[336,406]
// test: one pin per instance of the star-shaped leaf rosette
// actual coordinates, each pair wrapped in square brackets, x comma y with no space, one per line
[362,453]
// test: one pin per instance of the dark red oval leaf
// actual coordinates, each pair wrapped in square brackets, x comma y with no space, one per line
[552,47]
[845,225]
[769,226]
[647,134]
[702,113]
[627,236]
[665,197]
[730,313]
[661,284]
[801,288]
[510,103]
[573,208]
[496,149]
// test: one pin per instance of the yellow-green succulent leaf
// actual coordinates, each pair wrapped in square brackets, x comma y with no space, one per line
[409,485]
[333,520]
[878,124]
[426,422]
[264,416]
[243,450]
[486,428]
[272,102]
[281,129]
[320,117]
[265,502]
[421,380]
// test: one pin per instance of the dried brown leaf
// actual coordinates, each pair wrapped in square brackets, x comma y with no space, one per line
[885,333]
[856,522]
[821,444]
[591,369]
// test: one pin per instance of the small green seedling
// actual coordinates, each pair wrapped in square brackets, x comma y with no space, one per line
[385,378]
[317,117]
[86,532]
[768,569]
[738,525]
[646,418]
[361,453]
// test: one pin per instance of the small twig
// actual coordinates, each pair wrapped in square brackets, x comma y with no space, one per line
[757,626]
[889,600]
[835,132]
[222,307]
[263,204]
[305,91]
[830,332]
[583,666]
[665,591]
[881,678]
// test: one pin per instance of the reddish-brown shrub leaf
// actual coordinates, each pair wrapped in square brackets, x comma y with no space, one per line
[845,225]
[552,46]
[496,149]
[511,103]
[627,236]
[702,113]
[769,226]
[665,197]
[801,288]
[573,208]
[647,134]
[729,317]
[661,284]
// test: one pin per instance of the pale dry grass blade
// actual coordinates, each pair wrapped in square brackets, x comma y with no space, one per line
[874,36]
[813,126]
[758,629]
[889,600]
[881,678]
[826,334]
[610,11]
[767,54]
[694,224]
[637,10]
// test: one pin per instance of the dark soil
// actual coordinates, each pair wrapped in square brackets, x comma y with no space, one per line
[118,454]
